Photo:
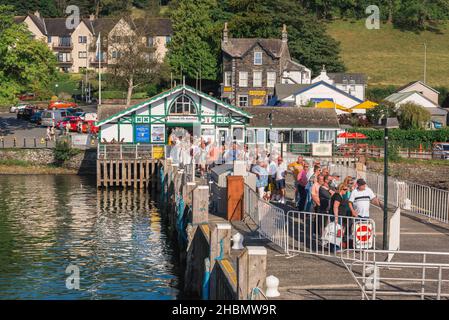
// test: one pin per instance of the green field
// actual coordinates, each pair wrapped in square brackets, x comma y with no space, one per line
[390,56]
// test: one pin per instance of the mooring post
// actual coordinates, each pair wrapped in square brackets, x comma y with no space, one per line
[220,247]
[251,272]
[200,205]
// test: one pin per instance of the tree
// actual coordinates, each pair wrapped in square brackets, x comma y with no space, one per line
[133,61]
[193,49]
[418,14]
[413,116]
[382,111]
[308,41]
[25,64]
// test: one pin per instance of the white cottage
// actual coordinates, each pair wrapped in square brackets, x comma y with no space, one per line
[151,122]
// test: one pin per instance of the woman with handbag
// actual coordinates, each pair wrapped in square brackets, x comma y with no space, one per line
[337,209]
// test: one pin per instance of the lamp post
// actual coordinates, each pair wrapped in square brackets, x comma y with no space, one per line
[270,116]
[56,89]
[390,123]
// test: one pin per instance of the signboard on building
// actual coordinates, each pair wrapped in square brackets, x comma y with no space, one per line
[257,102]
[80,139]
[257,92]
[157,133]
[142,133]
[321,149]
[182,119]
[227,89]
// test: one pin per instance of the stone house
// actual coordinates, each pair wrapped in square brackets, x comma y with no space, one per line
[252,67]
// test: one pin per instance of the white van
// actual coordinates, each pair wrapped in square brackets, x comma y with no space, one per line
[51,117]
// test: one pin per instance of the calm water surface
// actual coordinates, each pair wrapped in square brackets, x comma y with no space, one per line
[116,238]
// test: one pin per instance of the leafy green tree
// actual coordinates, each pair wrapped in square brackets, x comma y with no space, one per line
[25,64]
[413,116]
[193,49]
[382,111]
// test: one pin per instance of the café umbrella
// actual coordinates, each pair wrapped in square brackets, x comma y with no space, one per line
[353,135]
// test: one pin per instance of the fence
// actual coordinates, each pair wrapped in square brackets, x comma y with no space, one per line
[424,200]
[129,151]
[314,233]
[270,219]
[25,143]
[414,273]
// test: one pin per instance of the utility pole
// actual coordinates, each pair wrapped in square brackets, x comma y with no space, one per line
[425,62]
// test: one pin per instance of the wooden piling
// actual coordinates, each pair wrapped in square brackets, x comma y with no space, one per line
[200,205]
[251,271]
[220,247]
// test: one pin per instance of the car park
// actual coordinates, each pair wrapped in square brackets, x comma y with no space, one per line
[27,112]
[17,107]
[88,126]
[36,118]
[51,117]
[61,105]
[72,120]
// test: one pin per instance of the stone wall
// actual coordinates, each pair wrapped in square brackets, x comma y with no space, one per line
[85,162]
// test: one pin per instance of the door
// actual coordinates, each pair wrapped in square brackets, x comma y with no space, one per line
[222,136]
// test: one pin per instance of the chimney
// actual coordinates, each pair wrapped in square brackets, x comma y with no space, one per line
[284,33]
[37,14]
[225,33]
[91,17]
[323,71]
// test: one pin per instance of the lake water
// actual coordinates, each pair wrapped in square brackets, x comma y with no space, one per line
[116,239]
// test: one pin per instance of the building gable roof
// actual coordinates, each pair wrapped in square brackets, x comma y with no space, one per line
[293,117]
[324,83]
[284,90]
[359,78]
[414,82]
[39,22]
[398,97]
[155,26]
[238,47]
[167,93]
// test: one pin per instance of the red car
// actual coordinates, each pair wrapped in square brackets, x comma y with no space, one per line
[73,123]
[88,126]
[61,105]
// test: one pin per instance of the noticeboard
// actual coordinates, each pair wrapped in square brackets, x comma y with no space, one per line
[142,133]
[321,149]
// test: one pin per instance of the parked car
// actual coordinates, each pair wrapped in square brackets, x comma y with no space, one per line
[51,117]
[27,112]
[17,107]
[88,126]
[441,150]
[61,105]
[70,119]
[36,118]
[72,111]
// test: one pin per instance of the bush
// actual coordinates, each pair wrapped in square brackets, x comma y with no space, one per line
[413,116]
[63,152]
[377,94]
[122,95]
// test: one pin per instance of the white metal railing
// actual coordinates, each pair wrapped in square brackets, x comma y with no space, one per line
[414,273]
[317,233]
[269,219]
[125,151]
[414,197]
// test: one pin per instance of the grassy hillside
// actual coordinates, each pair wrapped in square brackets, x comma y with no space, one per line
[391,56]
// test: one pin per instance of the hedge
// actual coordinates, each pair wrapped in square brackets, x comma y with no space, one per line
[405,138]
[122,95]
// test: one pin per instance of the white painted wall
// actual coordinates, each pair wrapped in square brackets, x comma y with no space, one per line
[418,99]
[109,132]
[322,91]
[126,131]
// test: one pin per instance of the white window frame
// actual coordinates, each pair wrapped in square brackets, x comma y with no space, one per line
[264,136]
[227,78]
[271,82]
[308,136]
[326,134]
[304,136]
[243,133]
[84,56]
[247,100]
[247,135]
[258,55]
[259,81]
[243,79]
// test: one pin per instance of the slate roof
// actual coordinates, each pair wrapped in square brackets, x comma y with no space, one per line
[293,117]
[359,78]
[105,111]
[399,96]
[292,65]
[19,19]
[155,27]
[283,91]
[238,47]
[104,25]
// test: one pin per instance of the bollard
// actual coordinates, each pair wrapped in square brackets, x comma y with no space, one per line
[237,241]
[35,144]
[251,272]
[220,247]
[272,287]
[15,142]
[200,205]
[3,143]
[24,142]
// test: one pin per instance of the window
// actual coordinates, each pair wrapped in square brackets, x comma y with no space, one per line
[237,134]
[116,54]
[243,101]
[167,39]
[243,79]
[257,58]
[82,54]
[49,39]
[284,136]
[65,42]
[64,57]
[150,42]
[257,78]
[327,136]
[82,39]
[314,136]
[227,79]
[271,79]
[261,136]
[183,105]
[298,136]
[250,136]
